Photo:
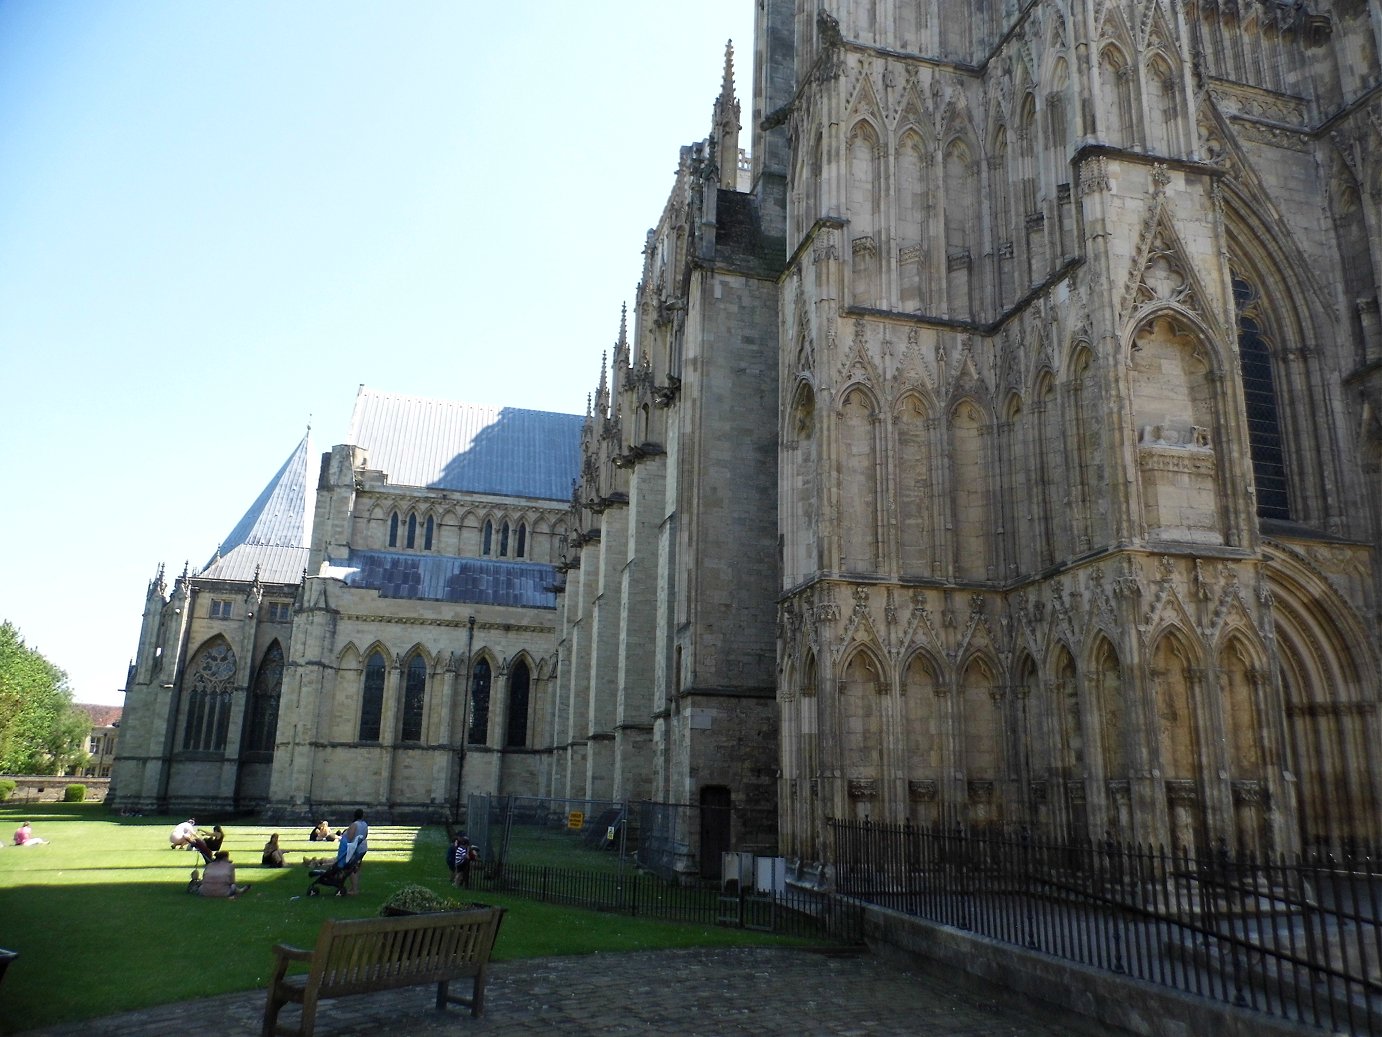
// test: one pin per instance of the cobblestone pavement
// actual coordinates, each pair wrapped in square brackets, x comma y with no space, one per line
[704,992]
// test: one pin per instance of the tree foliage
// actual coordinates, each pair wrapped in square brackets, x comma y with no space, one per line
[41,729]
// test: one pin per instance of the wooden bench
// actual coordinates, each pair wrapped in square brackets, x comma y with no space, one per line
[362,955]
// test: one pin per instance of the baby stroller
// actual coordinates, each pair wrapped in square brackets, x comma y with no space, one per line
[334,875]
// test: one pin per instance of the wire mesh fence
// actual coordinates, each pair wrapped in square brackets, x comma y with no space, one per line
[541,830]
[1297,939]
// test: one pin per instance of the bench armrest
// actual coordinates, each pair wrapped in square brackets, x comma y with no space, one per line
[284,954]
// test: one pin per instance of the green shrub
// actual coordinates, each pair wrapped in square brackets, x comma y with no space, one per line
[74,794]
[417,899]
[7,787]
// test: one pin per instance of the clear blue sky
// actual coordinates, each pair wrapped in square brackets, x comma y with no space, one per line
[216,220]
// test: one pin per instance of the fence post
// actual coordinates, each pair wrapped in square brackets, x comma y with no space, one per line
[1025,890]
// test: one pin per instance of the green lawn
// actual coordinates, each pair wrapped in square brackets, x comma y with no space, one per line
[100,913]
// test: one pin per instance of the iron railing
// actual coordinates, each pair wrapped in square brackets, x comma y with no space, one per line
[636,893]
[1296,939]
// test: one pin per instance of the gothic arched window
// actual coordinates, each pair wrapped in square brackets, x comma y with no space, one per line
[522,540]
[414,697]
[264,696]
[517,734]
[479,703]
[372,698]
[393,530]
[1259,396]
[427,534]
[504,540]
[208,701]
[412,531]
[487,541]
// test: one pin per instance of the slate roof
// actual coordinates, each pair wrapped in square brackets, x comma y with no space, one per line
[480,581]
[468,447]
[270,564]
[275,534]
[101,716]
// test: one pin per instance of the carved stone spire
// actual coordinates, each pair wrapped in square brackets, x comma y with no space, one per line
[727,124]
[621,344]
[602,396]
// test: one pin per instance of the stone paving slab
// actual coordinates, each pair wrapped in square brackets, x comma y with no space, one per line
[752,991]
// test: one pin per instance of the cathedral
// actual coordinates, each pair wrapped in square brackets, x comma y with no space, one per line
[313,665]
[995,440]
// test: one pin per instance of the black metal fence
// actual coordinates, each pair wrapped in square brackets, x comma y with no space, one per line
[636,893]
[1294,939]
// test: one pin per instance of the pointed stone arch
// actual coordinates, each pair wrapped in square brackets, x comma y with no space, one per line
[1117,119]
[1079,414]
[484,671]
[1243,688]
[1161,96]
[863,210]
[1330,687]
[1174,659]
[981,726]
[1104,674]
[911,206]
[971,460]
[961,187]
[415,667]
[266,691]
[373,680]
[862,691]
[1177,407]
[914,454]
[1289,309]
[521,702]
[208,683]
[857,478]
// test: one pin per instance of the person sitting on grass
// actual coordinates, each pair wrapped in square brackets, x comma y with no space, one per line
[215,839]
[322,833]
[273,856]
[185,834]
[24,836]
[218,880]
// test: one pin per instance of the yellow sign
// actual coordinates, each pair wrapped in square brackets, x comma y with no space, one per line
[575,819]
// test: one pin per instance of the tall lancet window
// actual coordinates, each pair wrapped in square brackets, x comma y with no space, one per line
[516,735]
[414,700]
[268,684]
[479,703]
[961,219]
[863,215]
[208,701]
[372,698]
[1259,395]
